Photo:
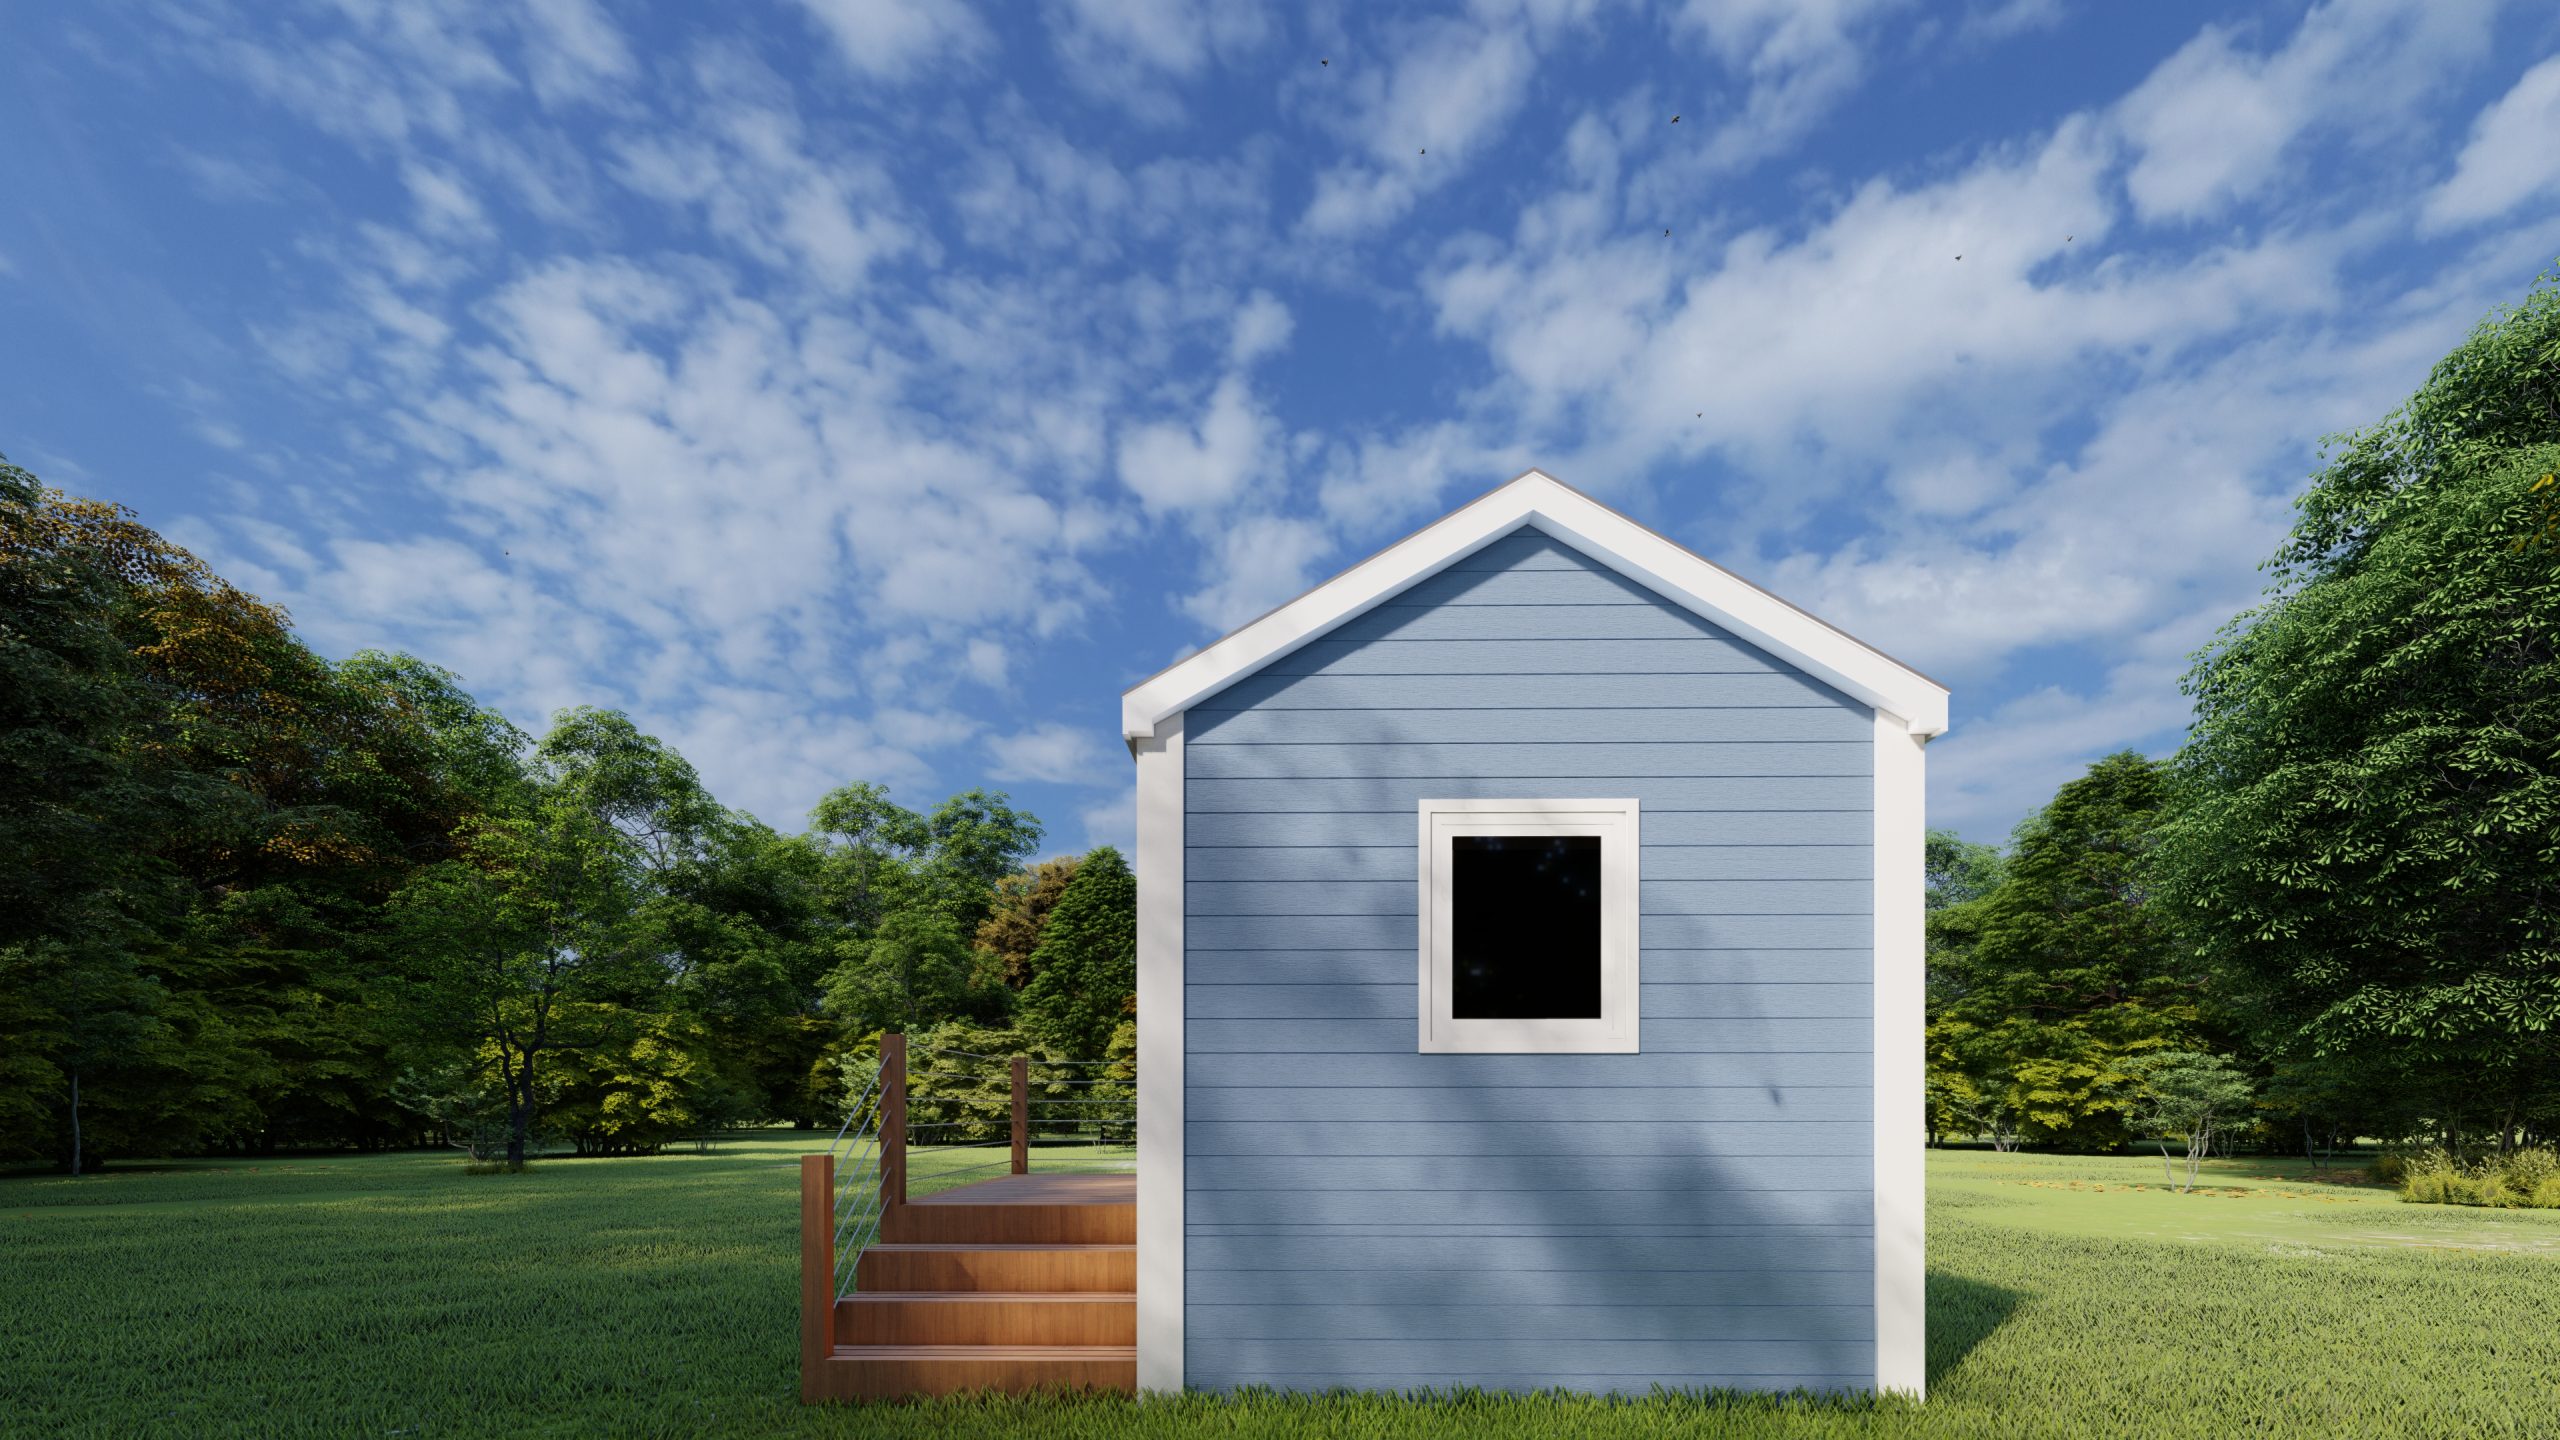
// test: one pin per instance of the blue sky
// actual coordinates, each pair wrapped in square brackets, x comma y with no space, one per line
[873,388]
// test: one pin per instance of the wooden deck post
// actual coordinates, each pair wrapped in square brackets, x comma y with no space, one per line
[893,1123]
[817,1268]
[1021,1115]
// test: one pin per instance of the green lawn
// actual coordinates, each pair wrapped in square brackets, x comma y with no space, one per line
[395,1296]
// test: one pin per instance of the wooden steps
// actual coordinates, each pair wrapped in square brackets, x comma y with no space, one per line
[1021,1283]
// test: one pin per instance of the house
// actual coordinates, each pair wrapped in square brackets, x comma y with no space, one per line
[1530,978]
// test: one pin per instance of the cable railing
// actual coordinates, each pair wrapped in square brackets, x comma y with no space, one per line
[928,1115]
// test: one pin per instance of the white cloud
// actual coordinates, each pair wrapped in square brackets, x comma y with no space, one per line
[444,203]
[987,662]
[2513,155]
[1122,51]
[1252,564]
[1262,328]
[1796,60]
[1114,822]
[1452,89]
[749,167]
[1052,752]
[1178,466]
[899,39]
[2214,122]
[573,51]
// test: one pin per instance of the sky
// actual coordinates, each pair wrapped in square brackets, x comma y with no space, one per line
[872,389]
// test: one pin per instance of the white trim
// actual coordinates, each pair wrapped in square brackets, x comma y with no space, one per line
[1160,1273]
[1615,823]
[1901,1173]
[1535,499]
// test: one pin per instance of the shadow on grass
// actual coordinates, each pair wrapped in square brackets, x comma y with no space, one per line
[1963,1312]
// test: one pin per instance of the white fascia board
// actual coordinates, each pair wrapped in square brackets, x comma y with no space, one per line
[1535,499]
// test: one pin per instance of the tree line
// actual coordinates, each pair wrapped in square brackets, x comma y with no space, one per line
[2341,897]
[252,899]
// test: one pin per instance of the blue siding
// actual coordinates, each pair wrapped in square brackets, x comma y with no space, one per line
[1360,1214]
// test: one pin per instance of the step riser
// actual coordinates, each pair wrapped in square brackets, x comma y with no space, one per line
[1012,1320]
[1048,1271]
[856,1378]
[1011,1225]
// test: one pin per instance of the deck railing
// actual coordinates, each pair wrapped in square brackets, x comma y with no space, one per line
[934,1105]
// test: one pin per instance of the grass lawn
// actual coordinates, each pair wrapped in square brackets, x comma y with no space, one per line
[396,1296]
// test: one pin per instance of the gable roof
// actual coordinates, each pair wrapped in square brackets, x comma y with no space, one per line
[1540,501]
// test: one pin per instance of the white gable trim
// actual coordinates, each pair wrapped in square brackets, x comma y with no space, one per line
[1535,499]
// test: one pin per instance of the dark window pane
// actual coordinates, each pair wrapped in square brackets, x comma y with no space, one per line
[1524,915]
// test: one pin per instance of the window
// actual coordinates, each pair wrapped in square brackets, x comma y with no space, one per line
[1528,925]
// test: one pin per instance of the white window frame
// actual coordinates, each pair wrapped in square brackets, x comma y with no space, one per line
[1615,823]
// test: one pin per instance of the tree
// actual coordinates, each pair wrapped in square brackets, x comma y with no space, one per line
[2189,1094]
[1085,971]
[2364,845]
[2048,985]
[870,843]
[1017,913]
[973,840]
[913,972]
[546,919]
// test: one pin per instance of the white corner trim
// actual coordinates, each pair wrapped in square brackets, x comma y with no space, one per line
[1160,1265]
[1720,596]
[1901,1011]
[1615,823]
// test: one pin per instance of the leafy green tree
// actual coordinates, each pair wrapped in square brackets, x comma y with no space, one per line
[2191,1095]
[912,973]
[2364,848]
[2049,985]
[1085,970]
[871,845]
[973,840]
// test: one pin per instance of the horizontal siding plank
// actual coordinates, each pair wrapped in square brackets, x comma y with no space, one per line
[1686,655]
[1396,828]
[1714,792]
[1664,758]
[1699,1210]
[1377,1037]
[1527,548]
[1422,1254]
[1724,724]
[1746,1190]
[1402,621]
[1353,1105]
[1540,585]
[1618,1322]
[1266,691]
[1562,1140]
[1205,968]
[1653,897]
[1534,1361]
[1387,932]
[1356,863]
[1401,999]
[1414,1069]
[1490,1286]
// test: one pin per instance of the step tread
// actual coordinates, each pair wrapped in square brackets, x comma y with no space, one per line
[985,1352]
[1078,1246]
[1077,1297]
